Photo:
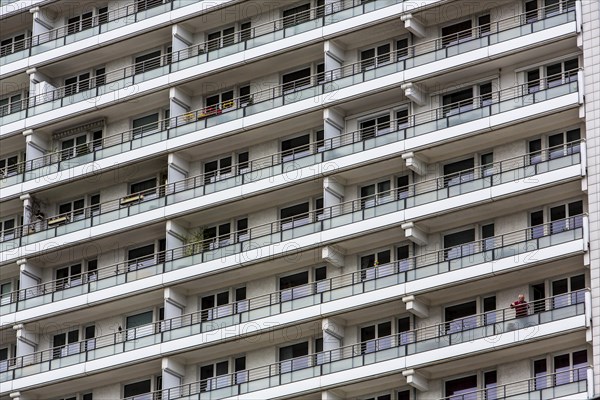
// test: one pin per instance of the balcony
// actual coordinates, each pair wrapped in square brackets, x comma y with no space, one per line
[94,26]
[423,273]
[463,332]
[436,50]
[496,108]
[560,384]
[495,178]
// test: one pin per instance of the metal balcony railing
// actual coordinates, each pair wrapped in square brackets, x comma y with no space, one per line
[410,126]
[568,381]
[414,341]
[427,191]
[433,263]
[381,65]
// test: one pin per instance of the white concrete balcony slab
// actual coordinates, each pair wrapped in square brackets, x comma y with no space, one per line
[39,110]
[406,350]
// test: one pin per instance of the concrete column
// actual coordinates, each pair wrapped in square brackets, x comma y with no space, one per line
[26,340]
[175,303]
[414,233]
[333,195]
[38,85]
[177,170]
[329,395]
[333,336]
[334,60]
[42,21]
[182,39]
[333,255]
[35,147]
[179,102]
[333,126]
[416,380]
[176,236]
[173,372]
[29,276]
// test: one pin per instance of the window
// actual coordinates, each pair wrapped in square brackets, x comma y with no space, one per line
[381,260]
[487,237]
[489,309]
[381,397]
[402,119]
[487,164]
[246,31]
[89,335]
[564,143]
[12,45]
[10,105]
[92,267]
[376,194]
[214,376]
[7,229]
[296,15]
[217,170]
[219,102]
[97,140]
[73,210]
[456,389]
[460,317]
[68,277]
[294,286]
[102,17]
[556,74]
[404,334]
[535,151]
[294,148]
[320,73]
[100,75]
[9,166]
[242,230]
[485,94]
[65,344]
[4,359]
[566,216]
[372,58]
[568,291]
[74,147]
[570,367]
[402,256]
[293,357]
[483,22]
[458,172]
[141,257]
[245,98]
[217,236]
[79,23]
[456,33]
[533,81]
[5,296]
[144,125]
[376,337]
[296,80]
[146,189]
[147,62]
[138,388]
[143,5]
[76,84]
[540,371]
[374,127]
[457,102]
[459,244]
[294,216]
[215,306]
[531,11]
[402,49]
[138,325]
[222,38]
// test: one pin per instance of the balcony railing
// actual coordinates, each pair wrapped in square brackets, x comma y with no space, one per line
[424,192]
[434,263]
[566,382]
[321,83]
[433,337]
[411,126]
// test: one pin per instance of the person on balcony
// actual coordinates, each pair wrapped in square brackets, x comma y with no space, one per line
[521,307]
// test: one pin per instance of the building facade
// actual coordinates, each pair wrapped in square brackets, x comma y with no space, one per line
[316,199]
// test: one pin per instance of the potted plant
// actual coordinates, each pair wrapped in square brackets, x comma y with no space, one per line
[193,242]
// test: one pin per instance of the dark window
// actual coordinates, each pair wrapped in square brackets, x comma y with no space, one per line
[137,388]
[458,172]
[145,124]
[287,283]
[244,95]
[485,94]
[533,80]
[294,216]
[402,187]
[457,102]
[484,24]
[141,257]
[376,337]
[296,80]
[460,317]
[460,386]
[294,354]
[487,236]
[295,148]
[404,395]
[320,73]
[402,49]
[540,370]
[320,273]
[242,229]
[245,31]
[456,33]
[103,15]
[147,62]
[375,127]
[144,186]
[374,57]
[531,11]
[296,15]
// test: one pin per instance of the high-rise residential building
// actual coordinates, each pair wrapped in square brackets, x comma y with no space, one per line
[312,199]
